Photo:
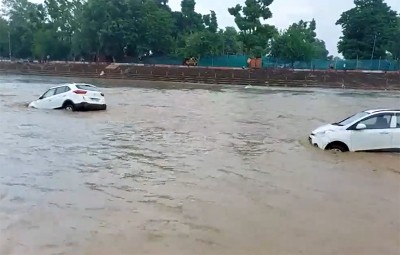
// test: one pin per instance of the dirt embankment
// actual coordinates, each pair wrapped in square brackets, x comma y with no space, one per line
[260,77]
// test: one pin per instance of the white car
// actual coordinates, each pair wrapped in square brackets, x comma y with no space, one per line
[71,97]
[371,130]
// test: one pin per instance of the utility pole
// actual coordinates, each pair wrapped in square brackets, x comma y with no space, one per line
[9,45]
[373,48]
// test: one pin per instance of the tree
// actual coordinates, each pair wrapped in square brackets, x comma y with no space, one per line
[211,22]
[320,51]
[199,44]
[185,22]
[4,29]
[299,43]
[162,3]
[291,45]
[318,46]
[43,43]
[126,29]
[367,29]
[394,44]
[230,42]
[191,20]
[24,19]
[156,23]
[206,41]
[254,35]
[107,27]
[66,29]
[41,27]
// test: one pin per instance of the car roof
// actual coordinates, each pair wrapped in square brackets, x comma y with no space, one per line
[372,111]
[72,84]
[81,83]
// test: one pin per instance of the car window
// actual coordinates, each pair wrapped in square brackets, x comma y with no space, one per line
[49,93]
[381,121]
[398,120]
[87,87]
[351,119]
[61,90]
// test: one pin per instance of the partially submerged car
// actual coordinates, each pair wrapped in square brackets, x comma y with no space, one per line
[370,130]
[71,97]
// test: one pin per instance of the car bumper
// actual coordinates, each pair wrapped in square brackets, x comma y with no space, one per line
[90,107]
[32,105]
[317,142]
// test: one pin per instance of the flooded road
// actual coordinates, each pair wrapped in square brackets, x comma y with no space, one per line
[196,171]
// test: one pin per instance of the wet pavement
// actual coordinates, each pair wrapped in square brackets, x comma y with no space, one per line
[223,170]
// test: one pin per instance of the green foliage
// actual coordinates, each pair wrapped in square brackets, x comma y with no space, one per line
[230,43]
[43,43]
[157,26]
[299,42]
[394,44]
[254,36]
[210,20]
[199,44]
[24,19]
[3,37]
[127,29]
[320,51]
[206,42]
[369,23]
[190,20]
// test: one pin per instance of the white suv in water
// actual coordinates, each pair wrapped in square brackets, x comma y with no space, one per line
[371,130]
[71,97]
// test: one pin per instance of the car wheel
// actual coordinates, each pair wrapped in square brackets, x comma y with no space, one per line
[69,107]
[337,148]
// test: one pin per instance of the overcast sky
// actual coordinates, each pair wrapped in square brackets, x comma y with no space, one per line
[285,12]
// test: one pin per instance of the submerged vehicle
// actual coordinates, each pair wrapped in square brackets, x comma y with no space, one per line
[370,130]
[71,97]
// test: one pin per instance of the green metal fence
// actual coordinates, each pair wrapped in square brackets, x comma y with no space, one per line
[384,65]
[224,61]
[163,60]
[318,64]
[268,62]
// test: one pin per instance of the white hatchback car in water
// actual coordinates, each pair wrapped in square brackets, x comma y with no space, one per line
[371,130]
[71,97]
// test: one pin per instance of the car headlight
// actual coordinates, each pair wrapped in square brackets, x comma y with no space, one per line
[323,132]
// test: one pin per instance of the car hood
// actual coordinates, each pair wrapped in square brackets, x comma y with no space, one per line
[328,127]
[32,104]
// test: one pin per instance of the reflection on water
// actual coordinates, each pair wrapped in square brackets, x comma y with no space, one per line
[199,171]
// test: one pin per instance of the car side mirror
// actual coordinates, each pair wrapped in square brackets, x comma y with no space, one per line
[361,126]
[41,97]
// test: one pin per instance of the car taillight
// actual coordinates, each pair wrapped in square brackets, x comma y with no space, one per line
[80,92]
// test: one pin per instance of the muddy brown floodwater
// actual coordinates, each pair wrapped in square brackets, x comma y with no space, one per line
[223,170]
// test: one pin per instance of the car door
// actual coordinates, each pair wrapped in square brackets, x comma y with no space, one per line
[45,101]
[59,97]
[376,136]
[56,100]
[396,133]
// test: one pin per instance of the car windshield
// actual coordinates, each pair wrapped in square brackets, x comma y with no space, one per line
[351,119]
[87,87]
